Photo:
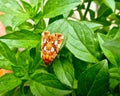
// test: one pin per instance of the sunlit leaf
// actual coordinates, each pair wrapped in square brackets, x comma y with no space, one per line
[56,7]
[102,38]
[21,39]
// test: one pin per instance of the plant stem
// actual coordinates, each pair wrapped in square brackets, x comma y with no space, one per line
[88,6]
[80,13]
[22,88]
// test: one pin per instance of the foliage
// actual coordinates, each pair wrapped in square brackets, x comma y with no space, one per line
[88,63]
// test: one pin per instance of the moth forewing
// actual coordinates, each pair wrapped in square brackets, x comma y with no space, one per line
[50,46]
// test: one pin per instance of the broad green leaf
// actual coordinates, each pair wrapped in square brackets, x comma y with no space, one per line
[92,25]
[10,8]
[107,53]
[95,80]
[8,82]
[79,38]
[19,19]
[44,84]
[5,20]
[7,57]
[64,71]
[81,42]
[113,45]
[110,4]
[21,39]
[59,26]
[56,7]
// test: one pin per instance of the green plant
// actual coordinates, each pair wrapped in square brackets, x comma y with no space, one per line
[88,63]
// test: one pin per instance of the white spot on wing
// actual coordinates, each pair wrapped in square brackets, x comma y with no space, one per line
[58,46]
[56,42]
[52,49]
[44,48]
[44,41]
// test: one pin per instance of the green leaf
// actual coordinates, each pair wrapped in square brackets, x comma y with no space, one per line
[113,32]
[64,71]
[114,73]
[117,33]
[19,19]
[10,8]
[27,6]
[117,4]
[95,80]
[9,93]
[8,82]
[21,39]
[113,83]
[24,62]
[26,26]
[53,8]
[113,45]
[110,4]
[45,84]
[93,25]
[5,20]
[17,92]
[79,38]
[40,26]
[81,42]
[30,9]
[35,2]
[7,57]
[102,38]
[104,11]
[59,26]
[79,66]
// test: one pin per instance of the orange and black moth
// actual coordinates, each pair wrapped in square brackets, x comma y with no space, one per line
[50,46]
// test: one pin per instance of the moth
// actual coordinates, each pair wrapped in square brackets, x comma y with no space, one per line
[50,46]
